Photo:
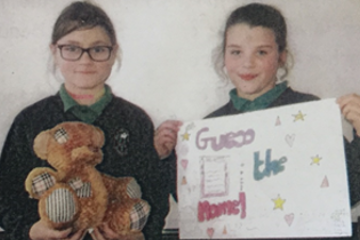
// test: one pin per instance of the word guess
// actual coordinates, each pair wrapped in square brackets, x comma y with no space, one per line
[207,211]
[227,140]
[271,166]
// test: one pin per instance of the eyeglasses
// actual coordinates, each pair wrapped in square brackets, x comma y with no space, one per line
[74,53]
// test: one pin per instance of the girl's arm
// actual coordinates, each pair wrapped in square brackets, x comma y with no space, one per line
[350,108]
[150,176]
[17,211]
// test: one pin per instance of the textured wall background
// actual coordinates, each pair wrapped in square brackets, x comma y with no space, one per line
[167,45]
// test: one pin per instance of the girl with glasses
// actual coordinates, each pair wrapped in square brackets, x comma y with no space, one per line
[84,49]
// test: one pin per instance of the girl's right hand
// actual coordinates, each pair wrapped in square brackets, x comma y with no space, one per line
[166,137]
[40,231]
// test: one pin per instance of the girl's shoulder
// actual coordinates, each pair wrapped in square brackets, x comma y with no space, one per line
[45,105]
[289,96]
[227,109]
[125,107]
[38,116]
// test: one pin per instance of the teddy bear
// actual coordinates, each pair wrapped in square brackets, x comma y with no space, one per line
[75,194]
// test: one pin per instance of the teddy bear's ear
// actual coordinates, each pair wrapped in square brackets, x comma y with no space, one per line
[41,144]
[98,137]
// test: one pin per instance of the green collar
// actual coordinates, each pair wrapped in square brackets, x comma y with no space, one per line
[87,114]
[258,103]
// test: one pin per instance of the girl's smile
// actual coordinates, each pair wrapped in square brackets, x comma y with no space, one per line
[248,77]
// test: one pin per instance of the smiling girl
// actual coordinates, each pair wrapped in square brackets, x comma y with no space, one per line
[84,49]
[254,49]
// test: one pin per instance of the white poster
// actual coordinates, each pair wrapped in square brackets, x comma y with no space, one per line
[274,173]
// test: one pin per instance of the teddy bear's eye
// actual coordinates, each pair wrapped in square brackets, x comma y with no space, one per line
[61,136]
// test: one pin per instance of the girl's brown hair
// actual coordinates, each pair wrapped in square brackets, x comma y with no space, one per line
[82,15]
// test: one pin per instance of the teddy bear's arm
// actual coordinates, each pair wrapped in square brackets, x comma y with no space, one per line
[39,180]
[126,185]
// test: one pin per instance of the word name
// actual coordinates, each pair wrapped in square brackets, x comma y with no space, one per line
[274,166]
[207,211]
[228,140]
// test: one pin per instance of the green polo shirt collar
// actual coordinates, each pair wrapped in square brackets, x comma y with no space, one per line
[258,103]
[86,114]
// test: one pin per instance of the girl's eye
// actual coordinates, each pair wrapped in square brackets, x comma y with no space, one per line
[71,48]
[262,52]
[235,52]
[99,49]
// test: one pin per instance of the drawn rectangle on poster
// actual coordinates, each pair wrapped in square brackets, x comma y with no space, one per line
[275,173]
[214,176]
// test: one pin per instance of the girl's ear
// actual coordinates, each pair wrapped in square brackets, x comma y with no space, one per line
[53,52]
[52,49]
[116,54]
[116,48]
[282,58]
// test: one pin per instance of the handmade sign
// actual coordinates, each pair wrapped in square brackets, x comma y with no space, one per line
[275,173]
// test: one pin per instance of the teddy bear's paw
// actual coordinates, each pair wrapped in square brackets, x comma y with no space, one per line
[60,205]
[139,215]
[41,183]
[133,189]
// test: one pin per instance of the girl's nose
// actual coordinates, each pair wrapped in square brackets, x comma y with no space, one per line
[85,58]
[249,61]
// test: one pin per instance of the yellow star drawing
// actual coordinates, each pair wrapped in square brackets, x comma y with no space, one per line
[299,116]
[316,160]
[185,136]
[278,203]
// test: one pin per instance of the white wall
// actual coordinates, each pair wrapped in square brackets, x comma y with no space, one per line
[167,47]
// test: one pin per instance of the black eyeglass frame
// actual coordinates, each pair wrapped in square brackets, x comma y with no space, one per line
[87,50]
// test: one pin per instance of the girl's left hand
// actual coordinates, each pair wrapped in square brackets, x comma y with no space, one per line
[350,108]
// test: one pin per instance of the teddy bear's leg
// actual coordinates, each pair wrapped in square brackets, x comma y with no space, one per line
[133,189]
[138,215]
[39,181]
[127,217]
[124,187]
[59,206]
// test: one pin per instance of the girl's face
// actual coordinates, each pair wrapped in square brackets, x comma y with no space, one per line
[252,59]
[84,74]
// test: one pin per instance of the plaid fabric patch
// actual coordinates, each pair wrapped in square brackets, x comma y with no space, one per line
[42,183]
[60,205]
[139,215]
[75,183]
[133,189]
[61,136]
[84,191]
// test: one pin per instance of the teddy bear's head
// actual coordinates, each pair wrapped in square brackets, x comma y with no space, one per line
[69,144]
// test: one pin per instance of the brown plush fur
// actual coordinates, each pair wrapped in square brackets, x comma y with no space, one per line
[76,158]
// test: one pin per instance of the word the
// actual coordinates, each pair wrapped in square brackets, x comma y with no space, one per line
[274,166]
[228,140]
[207,211]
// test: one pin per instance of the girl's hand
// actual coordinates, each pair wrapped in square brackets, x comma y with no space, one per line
[350,108]
[165,137]
[40,231]
[105,233]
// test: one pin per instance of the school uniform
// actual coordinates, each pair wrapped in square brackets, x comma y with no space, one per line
[128,151]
